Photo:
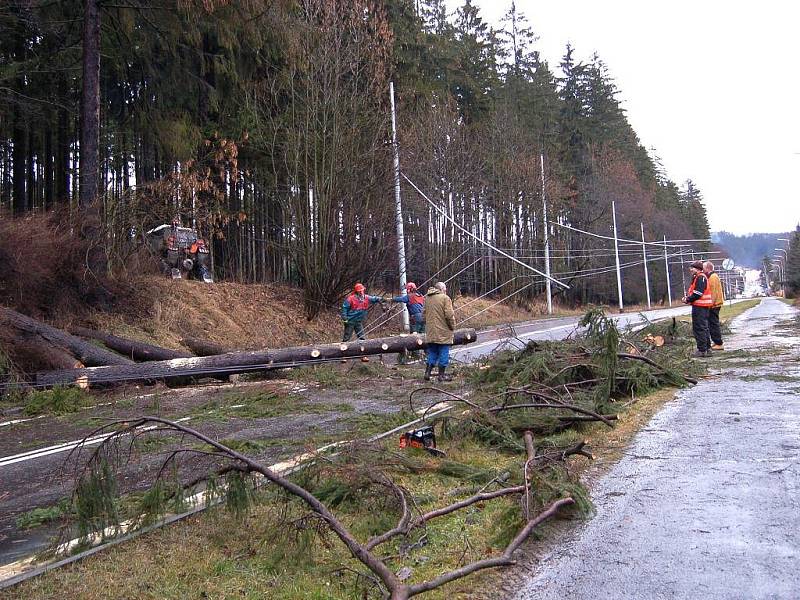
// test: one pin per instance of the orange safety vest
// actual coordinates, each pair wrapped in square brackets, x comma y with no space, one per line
[706,299]
[358,302]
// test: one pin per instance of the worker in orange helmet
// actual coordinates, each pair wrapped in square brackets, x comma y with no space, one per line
[415,303]
[416,307]
[354,310]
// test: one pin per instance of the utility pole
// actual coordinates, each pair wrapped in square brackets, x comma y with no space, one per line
[683,267]
[666,270]
[398,208]
[616,256]
[788,248]
[546,242]
[646,276]
[779,264]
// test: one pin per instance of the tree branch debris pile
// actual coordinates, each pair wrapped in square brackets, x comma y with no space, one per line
[553,386]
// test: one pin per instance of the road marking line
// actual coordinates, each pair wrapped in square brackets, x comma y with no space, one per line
[64,447]
[15,421]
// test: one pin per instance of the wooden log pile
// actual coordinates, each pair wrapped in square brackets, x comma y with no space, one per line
[70,359]
[204,347]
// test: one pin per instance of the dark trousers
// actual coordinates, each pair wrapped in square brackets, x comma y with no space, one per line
[700,327]
[350,327]
[714,329]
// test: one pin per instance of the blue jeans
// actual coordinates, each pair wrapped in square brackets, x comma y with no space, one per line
[439,354]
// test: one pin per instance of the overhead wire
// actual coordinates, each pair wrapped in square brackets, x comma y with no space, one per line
[523,288]
[463,306]
[477,238]
[619,239]
[577,275]
[396,313]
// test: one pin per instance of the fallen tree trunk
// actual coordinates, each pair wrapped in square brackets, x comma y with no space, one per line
[133,349]
[204,347]
[87,353]
[32,353]
[240,362]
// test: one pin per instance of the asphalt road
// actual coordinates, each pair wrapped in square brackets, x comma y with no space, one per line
[704,504]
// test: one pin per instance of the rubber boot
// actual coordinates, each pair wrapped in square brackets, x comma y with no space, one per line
[428,370]
[443,376]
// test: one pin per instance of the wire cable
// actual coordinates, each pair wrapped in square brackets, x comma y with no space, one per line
[480,240]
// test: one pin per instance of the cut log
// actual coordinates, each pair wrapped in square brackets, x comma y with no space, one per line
[87,353]
[204,347]
[133,349]
[31,353]
[240,362]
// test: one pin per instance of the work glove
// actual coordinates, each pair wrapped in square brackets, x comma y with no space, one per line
[345,320]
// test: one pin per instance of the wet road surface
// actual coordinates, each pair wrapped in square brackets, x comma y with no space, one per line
[704,504]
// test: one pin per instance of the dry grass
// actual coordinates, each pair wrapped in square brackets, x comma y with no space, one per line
[162,311]
[41,265]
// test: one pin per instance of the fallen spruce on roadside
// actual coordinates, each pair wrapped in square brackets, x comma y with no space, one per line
[375,520]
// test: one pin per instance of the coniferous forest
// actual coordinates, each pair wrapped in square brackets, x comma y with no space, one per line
[267,124]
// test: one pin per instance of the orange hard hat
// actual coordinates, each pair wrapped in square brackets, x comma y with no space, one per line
[411,286]
[359,287]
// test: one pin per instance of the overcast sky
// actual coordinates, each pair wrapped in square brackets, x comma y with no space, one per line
[713,86]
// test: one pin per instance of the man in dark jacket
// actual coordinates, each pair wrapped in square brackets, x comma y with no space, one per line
[440,323]
[699,296]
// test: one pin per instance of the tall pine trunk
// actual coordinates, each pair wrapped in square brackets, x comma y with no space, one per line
[90,140]
[18,158]
[90,105]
